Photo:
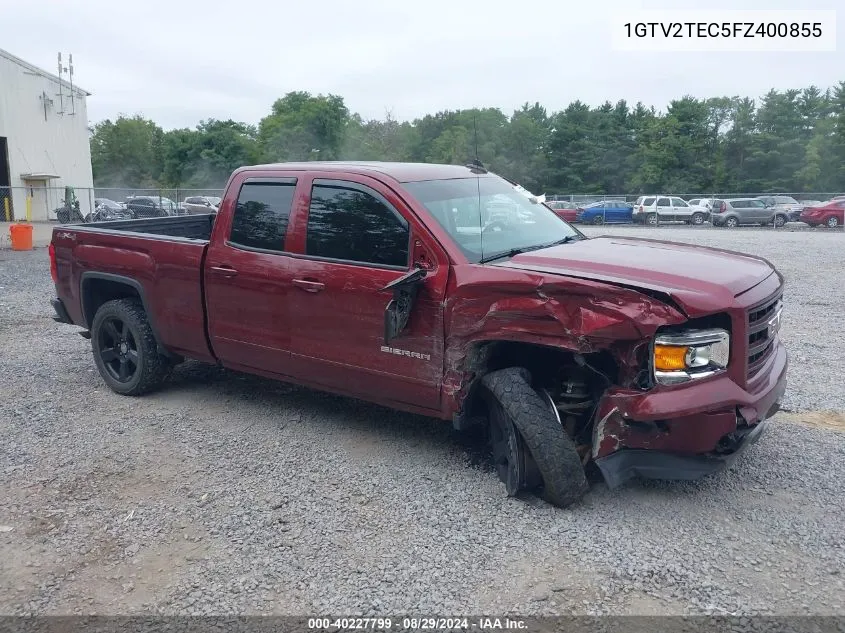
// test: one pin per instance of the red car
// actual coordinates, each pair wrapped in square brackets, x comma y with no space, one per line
[565,210]
[831,214]
[443,291]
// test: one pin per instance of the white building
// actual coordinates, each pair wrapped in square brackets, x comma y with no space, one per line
[43,140]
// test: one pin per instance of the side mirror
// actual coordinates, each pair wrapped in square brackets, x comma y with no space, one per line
[398,309]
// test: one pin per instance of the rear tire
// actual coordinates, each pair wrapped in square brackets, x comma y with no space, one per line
[550,450]
[125,348]
[731,223]
[651,219]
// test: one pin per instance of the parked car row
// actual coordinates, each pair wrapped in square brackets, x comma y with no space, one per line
[774,210]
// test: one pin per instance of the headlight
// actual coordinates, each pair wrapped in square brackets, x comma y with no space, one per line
[690,355]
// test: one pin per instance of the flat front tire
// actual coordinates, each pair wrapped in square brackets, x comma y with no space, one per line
[125,348]
[538,443]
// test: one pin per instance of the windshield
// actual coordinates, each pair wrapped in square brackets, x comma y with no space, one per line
[486,216]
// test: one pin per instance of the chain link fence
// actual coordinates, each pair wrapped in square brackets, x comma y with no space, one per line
[50,204]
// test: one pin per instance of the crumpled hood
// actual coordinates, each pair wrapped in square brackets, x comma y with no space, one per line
[700,279]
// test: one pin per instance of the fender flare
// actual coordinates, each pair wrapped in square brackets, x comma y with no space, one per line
[87,319]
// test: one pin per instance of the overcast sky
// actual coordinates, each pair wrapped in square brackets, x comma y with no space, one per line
[181,61]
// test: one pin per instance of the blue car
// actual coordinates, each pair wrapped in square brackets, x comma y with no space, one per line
[605,212]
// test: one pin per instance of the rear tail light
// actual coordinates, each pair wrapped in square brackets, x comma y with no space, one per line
[723,207]
[641,208]
[54,271]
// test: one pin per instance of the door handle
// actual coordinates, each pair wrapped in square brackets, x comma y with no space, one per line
[224,271]
[309,286]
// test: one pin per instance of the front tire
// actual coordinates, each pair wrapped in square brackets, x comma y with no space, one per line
[780,220]
[598,220]
[698,219]
[125,348]
[538,443]
[832,222]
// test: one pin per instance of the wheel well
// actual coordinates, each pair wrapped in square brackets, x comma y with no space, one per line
[96,292]
[546,365]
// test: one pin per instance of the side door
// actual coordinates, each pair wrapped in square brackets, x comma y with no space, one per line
[680,210]
[356,237]
[619,212]
[248,279]
[663,206]
[756,211]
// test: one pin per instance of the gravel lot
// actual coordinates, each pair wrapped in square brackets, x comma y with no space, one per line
[226,493]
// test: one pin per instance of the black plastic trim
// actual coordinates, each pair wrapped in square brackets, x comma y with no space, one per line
[127,281]
[61,312]
[623,465]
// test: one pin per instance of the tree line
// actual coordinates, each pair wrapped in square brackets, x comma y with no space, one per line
[787,141]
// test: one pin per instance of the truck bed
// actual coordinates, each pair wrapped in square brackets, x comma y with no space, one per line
[159,260]
[192,227]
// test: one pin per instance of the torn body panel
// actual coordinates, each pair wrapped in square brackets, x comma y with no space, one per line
[683,432]
[577,315]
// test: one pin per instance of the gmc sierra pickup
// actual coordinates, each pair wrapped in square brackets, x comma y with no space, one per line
[446,291]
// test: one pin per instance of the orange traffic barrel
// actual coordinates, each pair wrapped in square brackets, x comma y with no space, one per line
[21,236]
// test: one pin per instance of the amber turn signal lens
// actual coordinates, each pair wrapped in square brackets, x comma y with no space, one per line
[670,357]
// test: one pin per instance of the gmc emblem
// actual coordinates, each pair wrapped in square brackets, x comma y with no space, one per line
[774,324]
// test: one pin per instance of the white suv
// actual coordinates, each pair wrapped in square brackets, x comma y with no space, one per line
[661,208]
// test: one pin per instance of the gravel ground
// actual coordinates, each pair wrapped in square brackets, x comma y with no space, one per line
[226,493]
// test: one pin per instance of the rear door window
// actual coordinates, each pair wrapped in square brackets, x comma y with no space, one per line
[648,202]
[261,215]
[663,202]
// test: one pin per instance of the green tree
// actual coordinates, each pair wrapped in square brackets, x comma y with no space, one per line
[126,152]
[304,127]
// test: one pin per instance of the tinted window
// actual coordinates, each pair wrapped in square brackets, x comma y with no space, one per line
[648,202]
[261,215]
[756,204]
[678,202]
[353,225]
[663,202]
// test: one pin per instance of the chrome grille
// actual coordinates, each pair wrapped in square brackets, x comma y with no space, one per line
[763,326]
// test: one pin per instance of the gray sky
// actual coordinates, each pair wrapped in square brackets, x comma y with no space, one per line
[181,61]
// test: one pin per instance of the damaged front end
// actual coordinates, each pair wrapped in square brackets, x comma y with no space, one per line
[590,348]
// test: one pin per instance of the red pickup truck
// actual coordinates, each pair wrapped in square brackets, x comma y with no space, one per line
[445,291]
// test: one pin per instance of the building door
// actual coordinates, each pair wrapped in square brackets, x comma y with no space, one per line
[37,191]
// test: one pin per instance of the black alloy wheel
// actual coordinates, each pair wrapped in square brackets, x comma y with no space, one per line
[118,349]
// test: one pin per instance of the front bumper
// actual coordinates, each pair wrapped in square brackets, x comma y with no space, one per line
[684,432]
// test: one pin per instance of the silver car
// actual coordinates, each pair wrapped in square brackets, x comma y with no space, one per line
[733,212]
[201,205]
